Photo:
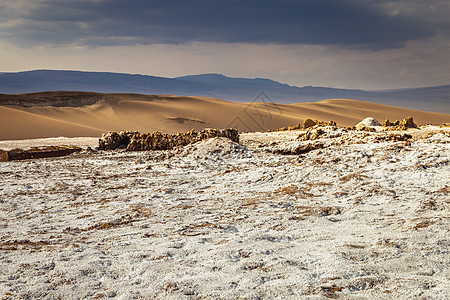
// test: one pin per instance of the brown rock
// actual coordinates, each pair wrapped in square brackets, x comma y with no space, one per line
[393,138]
[408,123]
[310,123]
[42,152]
[302,149]
[311,134]
[4,156]
[400,125]
[307,124]
[387,123]
[332,123]
[115,140]
[366,128]
[135,141]
[295,127]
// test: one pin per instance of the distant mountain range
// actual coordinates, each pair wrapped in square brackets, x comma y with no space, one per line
[434,99]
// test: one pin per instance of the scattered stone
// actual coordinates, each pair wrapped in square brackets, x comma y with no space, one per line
[311,134]
[135,141]
[393,138]
[399,125]
[310,123]
[307,124]
[295,127]
[367,128]
[302,149]
[89,150]
[328,211]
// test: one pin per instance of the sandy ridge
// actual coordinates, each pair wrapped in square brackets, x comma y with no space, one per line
[171,114]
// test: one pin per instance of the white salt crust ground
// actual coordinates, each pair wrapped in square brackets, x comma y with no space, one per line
[217,220]
[82,142]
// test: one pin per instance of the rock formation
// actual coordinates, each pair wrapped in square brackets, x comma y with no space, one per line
[301,149]
[310,123]
[387,123]
[115,140]
[38,152]
[399,125]
[135,141]
[311,134]
[307,124]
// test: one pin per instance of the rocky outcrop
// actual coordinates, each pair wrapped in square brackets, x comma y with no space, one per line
[310,123]
[408,123]
[288,128]
[115,140]
[399,125]
[311,134]
[135,141]
[387,123]
[41,152]
[4,156]
[307,124]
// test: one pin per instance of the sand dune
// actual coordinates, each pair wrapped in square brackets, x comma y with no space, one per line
[17,124]
[177,113]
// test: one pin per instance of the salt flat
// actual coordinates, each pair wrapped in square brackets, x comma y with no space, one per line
[82,142]
[365,217]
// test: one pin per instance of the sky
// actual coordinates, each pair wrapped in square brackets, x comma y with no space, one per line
[366,44]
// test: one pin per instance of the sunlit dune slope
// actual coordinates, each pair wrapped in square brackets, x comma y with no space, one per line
[17,124]
[172,114]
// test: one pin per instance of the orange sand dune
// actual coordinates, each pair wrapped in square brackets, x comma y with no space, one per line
[177,113]
[17,124]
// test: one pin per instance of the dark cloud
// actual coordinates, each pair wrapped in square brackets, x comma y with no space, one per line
[117,22]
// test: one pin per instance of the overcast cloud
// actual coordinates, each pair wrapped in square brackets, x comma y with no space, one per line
[373,24]
[360,43]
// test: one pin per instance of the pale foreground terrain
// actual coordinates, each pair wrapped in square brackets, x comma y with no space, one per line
[362,218]
[75,114]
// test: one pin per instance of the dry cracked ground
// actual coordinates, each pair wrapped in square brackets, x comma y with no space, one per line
[360,217]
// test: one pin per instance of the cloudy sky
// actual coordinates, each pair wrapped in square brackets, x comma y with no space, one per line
[368,44]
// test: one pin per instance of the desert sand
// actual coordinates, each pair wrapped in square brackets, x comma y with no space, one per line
[171,114]
[18,124]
